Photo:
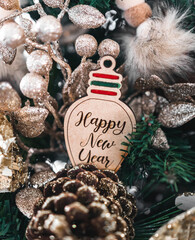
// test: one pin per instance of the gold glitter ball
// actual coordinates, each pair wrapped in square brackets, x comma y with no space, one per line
[109,47]
[86,45]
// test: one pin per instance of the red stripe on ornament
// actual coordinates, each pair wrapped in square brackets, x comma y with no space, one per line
[107,76]
[102,92]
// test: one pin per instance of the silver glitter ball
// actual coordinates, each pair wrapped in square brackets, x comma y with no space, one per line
[39,62]
[33,85]
[11,35]
[48,29]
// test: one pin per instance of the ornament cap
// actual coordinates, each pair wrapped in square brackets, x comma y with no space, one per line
[105,83]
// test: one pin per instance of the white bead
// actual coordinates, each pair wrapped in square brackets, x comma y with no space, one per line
[39,62]
[11,35]
[33,85]
[48,29]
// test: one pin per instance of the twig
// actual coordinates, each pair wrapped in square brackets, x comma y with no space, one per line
[54,113]
[64,9]
[39,8]
[17,13]
[21,144]
[63,109]
[61,62]
[59,55]
[66,4]
[36,45]
[33,151]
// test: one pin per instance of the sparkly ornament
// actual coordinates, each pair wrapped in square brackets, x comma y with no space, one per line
[174,93]
[39,62]
[13,172]
[79,82]
[94,134]
[179,228]
[103,211]
[33,85]
[26,199]
[176,115]
[159,140]
[30,121]
[9,98]
[7,54]
[86,45]
[41,178]
[109,47]
[54,3]
[10,4]
[48,28]
[11,35]
[41,167]
[185,201]
[161,103]
[86,16]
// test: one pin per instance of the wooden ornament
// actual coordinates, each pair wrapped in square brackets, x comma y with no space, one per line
[96,125]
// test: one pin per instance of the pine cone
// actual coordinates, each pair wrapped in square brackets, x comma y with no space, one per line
[83,203]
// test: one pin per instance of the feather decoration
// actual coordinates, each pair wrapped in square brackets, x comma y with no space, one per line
[161,47]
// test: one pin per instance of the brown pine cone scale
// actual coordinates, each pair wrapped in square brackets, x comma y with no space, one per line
[83,203]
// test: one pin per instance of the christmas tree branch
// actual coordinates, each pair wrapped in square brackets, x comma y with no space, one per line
[160,214]
[171,167]
[12,222]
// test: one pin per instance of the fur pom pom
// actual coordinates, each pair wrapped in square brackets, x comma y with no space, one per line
[161,47]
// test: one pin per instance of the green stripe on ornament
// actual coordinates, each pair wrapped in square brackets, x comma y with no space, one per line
[105,84]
